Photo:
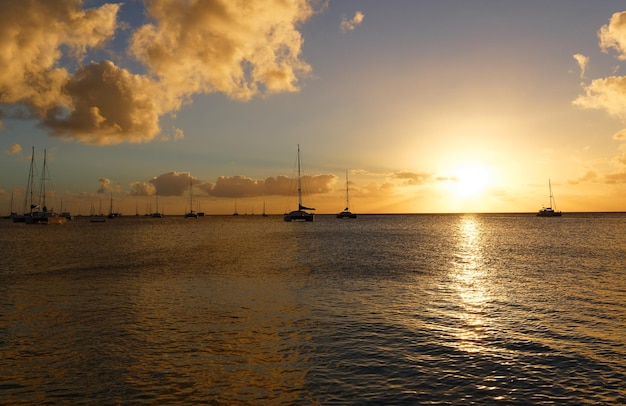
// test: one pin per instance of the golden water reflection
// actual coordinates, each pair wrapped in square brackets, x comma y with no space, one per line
[469,283]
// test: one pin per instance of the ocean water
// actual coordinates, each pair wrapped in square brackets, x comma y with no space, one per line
[397,309]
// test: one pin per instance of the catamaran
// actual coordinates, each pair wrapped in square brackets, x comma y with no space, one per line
[43,216]
[300,214]
[549,211]
[346,213]
[191,214]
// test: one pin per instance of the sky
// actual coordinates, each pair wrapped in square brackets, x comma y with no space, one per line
[424,106]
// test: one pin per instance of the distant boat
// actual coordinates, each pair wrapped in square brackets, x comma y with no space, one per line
[45,216]
[65,214]
[300,214]
[191,214]
[12,214]
[264,214]
[346,213]
[112,214]
[236,213]
[549,211]
[156,214]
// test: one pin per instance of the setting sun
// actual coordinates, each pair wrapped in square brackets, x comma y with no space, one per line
[470,181]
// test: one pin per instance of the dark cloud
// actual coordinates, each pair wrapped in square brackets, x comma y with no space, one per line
[177,183]
[173,183]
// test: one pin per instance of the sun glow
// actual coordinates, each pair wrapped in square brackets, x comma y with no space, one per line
[470,181]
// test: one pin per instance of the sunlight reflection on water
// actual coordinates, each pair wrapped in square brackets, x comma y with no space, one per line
[469,279]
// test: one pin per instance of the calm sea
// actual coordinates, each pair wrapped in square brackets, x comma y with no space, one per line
[397,309]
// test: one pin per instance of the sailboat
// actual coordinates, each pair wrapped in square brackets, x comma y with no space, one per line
[44,216]
[300,214]
[549,211]
[191,213]
[346,213]
[112,214]
[264,213]
[236,213]
[156,214]
[12,214]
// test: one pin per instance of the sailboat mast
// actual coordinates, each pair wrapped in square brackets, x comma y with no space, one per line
[30,184]
[190,195]
[552,201]
[299,181]
[347,196]
[43,183]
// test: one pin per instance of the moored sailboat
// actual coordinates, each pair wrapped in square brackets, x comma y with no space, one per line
[43,216]
[550,211]
[113,214]
[191,214]
[346,213]
[156,214]
[300,214]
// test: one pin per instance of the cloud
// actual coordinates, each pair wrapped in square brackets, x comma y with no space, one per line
[105,185]
[32,46]
[615,178]
[349,25]
[239,186]
[242,49]
[142,189]
[589,176]
[173,183]
[15,149]
[177,184]
[608,94]
[412,178]
[239,48]
[109,106]
[620,135]
[583,61]
[613,35]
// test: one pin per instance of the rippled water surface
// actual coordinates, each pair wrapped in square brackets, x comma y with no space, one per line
[415,309]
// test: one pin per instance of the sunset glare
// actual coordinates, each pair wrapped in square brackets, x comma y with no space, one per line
[440,106]
[470,181]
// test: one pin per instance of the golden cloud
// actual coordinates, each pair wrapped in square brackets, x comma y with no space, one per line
[583,62]
[608,94]
[30,47]
[350,24]
[412,178]
[15,149]
[240,48]
[613,35]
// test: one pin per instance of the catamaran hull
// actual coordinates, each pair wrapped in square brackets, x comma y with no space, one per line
[298,215]
[548,213]
[45,220]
